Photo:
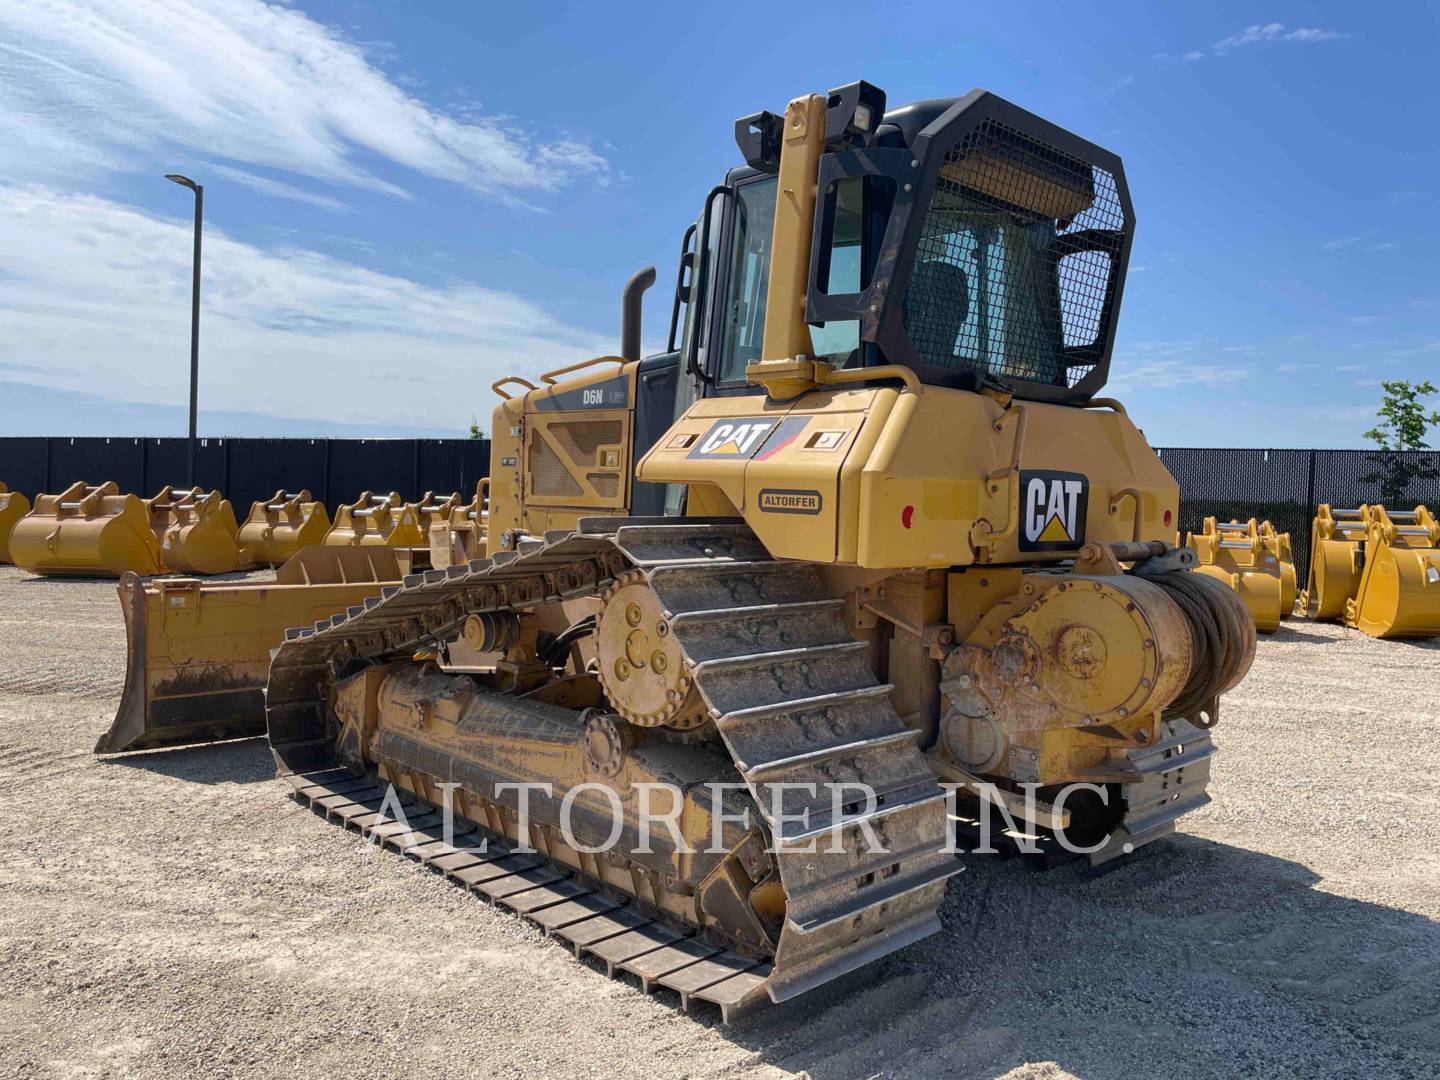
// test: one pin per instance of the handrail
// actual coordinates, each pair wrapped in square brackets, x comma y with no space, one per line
[550,376]
[509,379]
[1105,403]
[869,374]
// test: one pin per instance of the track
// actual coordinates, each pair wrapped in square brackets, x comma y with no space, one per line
[791,694]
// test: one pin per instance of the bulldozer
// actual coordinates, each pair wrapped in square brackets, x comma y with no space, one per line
[278,528]
[13,506]
[1254,560]
[863,536]
[1375,570]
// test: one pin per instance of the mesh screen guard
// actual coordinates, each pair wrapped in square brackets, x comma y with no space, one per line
[1003,257]
[998,287]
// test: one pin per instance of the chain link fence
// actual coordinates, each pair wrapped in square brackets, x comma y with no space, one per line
[1284,486]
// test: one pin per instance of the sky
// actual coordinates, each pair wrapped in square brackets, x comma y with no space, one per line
[406,201]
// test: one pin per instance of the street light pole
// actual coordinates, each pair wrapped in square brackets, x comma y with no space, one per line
[185,181]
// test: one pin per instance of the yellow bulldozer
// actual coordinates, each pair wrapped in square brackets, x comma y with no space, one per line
[862,533]
[1254,560]
[13,506]
[1375,570]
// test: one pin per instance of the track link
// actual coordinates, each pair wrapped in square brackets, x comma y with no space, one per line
[792,696]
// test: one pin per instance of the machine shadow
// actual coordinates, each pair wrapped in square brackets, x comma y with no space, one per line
[1289,633]
[238,761]
[1163,967]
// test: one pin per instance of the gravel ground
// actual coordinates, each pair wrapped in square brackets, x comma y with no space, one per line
[174,914]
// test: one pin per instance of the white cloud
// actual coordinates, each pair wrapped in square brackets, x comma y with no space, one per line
[1258,34]
[1271,33]
[1339,242]
[1129,376]
[111,84]
[94,296]
[279,189]
[1180,58]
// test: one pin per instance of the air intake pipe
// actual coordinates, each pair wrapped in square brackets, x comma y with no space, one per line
[632,302]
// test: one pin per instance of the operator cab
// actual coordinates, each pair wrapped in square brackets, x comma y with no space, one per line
[963,237]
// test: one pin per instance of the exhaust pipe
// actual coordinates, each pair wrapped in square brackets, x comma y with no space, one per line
[632,301]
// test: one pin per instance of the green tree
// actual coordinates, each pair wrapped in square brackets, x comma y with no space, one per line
[1404,420]
[475,431]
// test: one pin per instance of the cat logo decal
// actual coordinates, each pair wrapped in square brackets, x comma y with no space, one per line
[1053,506]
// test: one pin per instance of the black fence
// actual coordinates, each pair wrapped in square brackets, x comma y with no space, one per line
[334,470]
[1285,485]
[1282,486]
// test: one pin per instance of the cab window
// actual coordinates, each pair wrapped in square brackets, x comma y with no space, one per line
[744,320]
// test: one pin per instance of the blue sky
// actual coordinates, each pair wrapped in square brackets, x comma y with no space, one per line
[406,201]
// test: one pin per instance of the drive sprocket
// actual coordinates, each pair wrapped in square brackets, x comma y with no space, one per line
[642,669]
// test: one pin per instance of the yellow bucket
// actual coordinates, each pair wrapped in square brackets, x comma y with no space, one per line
[1335,547]
[13,506]
[1252,559]
[1399,591]
[281,526]
[376,520]
[197,531]
[86,530]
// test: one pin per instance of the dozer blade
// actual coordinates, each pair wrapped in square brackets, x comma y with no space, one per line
[87,531]
[1399,593]
[13,506]
[198,654]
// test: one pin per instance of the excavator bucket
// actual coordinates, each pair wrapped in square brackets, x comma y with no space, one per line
[1253,560]
[281,526]
[1336,540]
[434,509]
[197,532]
[1399,592]
[88,531]
[13,506]
[198,653]
[1279,544]
[461,536]
[377,521]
